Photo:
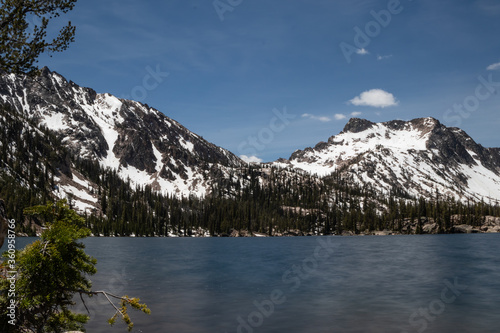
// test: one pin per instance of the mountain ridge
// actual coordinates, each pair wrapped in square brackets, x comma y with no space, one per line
[419,157]
[140,142]
[389,154]
[130,170]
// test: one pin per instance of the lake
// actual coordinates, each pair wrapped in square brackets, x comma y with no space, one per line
[400,284]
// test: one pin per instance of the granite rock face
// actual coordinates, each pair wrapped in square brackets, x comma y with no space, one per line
[142,144]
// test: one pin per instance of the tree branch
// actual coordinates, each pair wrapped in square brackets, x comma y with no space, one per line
[113,304]
[106,294]
[84,304]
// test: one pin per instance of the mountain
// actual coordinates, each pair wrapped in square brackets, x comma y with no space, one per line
[415,158]
[131,170]
[142,144]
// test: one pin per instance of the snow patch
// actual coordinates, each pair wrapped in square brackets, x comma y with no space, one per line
[187,145]
[55,122]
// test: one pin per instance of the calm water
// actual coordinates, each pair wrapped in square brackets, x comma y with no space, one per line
[441,283]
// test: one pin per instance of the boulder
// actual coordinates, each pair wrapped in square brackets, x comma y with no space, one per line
[463,229]
[492,221]
[430,228]
[382,233]
[493,229]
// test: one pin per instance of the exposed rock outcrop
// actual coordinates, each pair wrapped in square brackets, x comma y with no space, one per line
[142,144]
[416,158]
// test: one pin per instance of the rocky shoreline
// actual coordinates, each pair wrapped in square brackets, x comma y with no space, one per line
[429,226]
[424,226]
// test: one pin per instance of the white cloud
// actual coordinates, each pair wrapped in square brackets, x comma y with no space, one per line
[377,98]
[251,159]
[340,116]
[379,57]
[362,51]
[323,119]
[337,116]
[494,67]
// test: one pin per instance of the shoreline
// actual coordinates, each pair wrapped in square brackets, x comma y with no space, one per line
[457,230]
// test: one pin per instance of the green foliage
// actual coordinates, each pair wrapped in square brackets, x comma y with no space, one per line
[50,272]
[21,41]
[258,199]
[125,301]
[30,157]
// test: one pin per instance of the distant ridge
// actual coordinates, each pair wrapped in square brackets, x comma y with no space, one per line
[421,157]
[415,158]
[139,142]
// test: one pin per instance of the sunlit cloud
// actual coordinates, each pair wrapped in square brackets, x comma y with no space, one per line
[382,57]
[494,67]
[362,51]
[340,116]
[323,119]
[251,159]
[377,98]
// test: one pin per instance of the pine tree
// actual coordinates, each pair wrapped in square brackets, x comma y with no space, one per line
[22,43]
[49,272]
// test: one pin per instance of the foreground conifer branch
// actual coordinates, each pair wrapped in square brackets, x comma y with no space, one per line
[49,272]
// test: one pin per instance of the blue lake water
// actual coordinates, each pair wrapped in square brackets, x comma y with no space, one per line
[435,283]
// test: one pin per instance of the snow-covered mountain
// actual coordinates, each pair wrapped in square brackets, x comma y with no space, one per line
[420,157]
[141,143]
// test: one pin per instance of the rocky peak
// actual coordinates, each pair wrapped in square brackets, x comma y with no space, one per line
[421,156]
[139,142]
[425,125]
[356,125]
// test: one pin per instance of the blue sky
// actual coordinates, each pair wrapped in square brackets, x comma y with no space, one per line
[264,78]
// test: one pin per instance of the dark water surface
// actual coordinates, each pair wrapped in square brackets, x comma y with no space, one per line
[439,283]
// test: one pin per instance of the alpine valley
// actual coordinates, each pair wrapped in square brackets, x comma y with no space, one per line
[131,170]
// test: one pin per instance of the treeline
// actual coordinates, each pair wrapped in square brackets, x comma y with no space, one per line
[254,198]
[30,157]
[277,202]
